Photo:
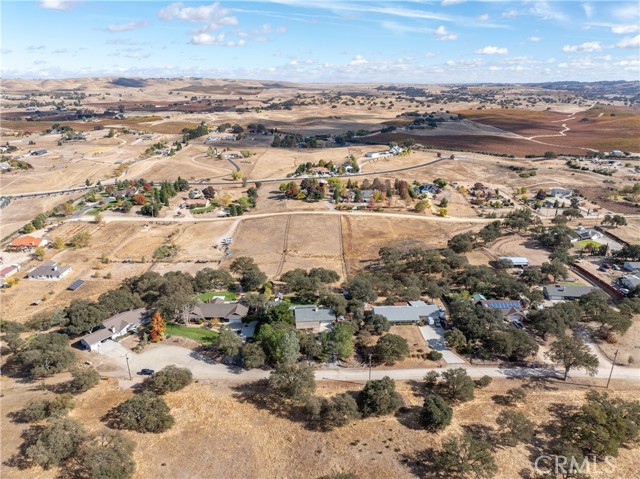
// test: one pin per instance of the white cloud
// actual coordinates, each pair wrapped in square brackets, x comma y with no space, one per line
[206,39]
[281,29]
[446,3]
[621,29]
[588,9]
[547,12]
[629,42]
[213,16]
[535,39]
[584,47]
[127,27]
[5,51]
[443,35]
[35,47]
[627,11]
[511,13]
[359,60]
[484,17]
[57,4]
[489,50]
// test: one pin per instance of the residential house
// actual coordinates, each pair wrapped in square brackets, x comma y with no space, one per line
[9,271]
[516,261]
[560,193]
[114,328]
[195,194]
[630,281]
[313,318]
[559,292]
[49,270]
[512,311]
[632,266]
[125,193]
[587,234]
[196,203]
[220,311]
[375,154]
[319,170]
[5,166]
[25,243]
[413,312]
[427,189]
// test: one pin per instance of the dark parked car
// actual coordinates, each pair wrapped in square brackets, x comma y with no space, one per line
[146,372]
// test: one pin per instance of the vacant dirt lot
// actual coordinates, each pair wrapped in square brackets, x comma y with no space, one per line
[271,446]
[363,236]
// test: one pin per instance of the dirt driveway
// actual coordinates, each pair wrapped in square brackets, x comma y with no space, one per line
[113,356]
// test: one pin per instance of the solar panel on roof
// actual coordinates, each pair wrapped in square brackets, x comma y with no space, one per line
[75,285]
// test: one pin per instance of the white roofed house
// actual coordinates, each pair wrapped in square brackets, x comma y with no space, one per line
[115,327]
[515,261]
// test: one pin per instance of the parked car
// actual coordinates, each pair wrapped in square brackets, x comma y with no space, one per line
[146,372]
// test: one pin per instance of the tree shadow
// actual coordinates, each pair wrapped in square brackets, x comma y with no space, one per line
[483,433]
[409,417]
[20,460]
[419,463]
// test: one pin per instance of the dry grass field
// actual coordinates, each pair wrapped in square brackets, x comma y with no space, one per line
[218,434]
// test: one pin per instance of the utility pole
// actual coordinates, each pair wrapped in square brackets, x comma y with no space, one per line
[128,368]
[612,365]
[370,366]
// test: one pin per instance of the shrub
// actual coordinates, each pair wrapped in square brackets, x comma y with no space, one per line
[57,442]
[434,355]
[391,348]
[436,414]
[457,385]
[39,410]
[515,395]
[169,379]
[83,379]
[109,456]
[379,397]
[145,412]
[292,381]
[483,382]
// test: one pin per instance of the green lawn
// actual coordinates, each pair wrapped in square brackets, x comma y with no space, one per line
[196,333]
[584,243]
[228,295]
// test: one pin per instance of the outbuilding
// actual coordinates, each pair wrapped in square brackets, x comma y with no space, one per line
[516,261]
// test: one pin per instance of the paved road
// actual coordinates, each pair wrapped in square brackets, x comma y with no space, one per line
[160,355]
[148,219]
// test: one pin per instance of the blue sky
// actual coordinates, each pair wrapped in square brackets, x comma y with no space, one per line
[448,41]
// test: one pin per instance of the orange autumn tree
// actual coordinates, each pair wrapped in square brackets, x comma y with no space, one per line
[157,328]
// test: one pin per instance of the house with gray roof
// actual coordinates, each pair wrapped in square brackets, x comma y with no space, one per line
[115,327]
[630,281]
[559,292]
[413,312]
[632,266]
[219,310]
[49,270]
[313,318]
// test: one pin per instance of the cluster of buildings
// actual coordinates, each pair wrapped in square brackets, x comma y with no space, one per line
[395,150]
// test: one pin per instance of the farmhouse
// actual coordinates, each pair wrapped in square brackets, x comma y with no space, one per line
[413,312]
[114,328]
[632,266]
[49,270]
[220,311]
[313,318]
[515,260]
[511,311]
[630,281]
[126,193]
[561,293]
[26,242]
